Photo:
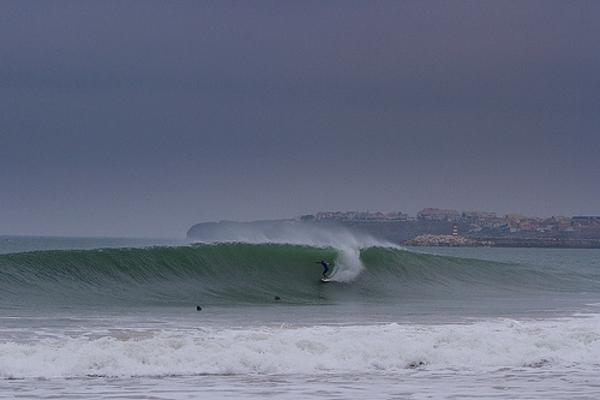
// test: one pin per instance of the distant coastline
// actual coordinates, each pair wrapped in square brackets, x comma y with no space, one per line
[446,227]
[460,241]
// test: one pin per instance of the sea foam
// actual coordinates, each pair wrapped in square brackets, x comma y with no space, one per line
[390,348]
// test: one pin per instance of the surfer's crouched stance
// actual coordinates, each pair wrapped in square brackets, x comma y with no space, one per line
[325,267]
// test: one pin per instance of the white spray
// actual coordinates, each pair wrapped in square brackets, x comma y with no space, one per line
[347,243]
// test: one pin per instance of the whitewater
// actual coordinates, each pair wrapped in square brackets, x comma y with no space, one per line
[84,318]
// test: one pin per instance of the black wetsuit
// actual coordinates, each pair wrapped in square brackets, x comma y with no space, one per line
[325,268]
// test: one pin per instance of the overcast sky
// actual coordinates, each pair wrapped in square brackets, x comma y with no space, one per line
[141,118]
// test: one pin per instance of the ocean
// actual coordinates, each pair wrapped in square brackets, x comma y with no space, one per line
[99,318]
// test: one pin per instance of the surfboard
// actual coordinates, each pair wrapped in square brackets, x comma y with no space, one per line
[325,280]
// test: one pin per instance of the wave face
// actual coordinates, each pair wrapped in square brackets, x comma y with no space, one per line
[236,273]
[348,243]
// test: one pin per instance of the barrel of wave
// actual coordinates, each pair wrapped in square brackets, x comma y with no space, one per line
[349,244]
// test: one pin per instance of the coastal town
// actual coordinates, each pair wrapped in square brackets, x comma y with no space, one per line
[448,227]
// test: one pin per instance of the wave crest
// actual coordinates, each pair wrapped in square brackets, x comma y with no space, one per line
[348,243]
[255,273]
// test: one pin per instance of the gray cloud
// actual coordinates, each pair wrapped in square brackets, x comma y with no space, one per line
[141,118]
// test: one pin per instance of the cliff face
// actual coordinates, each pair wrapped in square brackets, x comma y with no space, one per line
[231,230]
[199,230]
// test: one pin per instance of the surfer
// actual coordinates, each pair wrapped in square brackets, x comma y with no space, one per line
[325,265]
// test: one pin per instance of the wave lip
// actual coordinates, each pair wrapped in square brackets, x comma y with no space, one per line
[348,243]
[392,348]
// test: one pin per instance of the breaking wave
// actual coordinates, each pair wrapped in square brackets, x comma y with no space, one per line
[253,273]
[391,348]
